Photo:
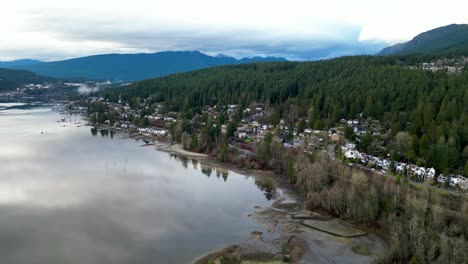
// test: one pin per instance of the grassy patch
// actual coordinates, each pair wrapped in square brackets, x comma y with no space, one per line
[362,250]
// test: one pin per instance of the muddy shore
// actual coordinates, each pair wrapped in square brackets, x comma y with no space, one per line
[294,234]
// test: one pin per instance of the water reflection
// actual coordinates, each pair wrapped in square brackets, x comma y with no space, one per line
[94,131]
[267,186]
[103,132]
[225,174]
[205,168]
[195,164]
[69,197]
[183,160]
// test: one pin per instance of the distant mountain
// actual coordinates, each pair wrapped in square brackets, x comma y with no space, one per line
[15,63]
[130,67]
[11,79]
[449,39]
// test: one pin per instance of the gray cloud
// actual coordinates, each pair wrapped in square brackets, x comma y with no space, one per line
[52,30]
[70,35]
[304,29]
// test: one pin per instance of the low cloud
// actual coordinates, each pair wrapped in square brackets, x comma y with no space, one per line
[86,88]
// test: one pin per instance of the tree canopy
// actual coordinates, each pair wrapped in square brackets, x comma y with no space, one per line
[430,106]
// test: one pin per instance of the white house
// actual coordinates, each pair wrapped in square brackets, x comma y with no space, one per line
[441,179]
[351,154]
[454,181]
[170,119]
[430,173]
[352,122]
[160,132]
[420,172]
[400,167]
[242,135]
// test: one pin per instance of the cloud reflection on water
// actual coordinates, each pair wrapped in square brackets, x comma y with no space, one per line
[69,197]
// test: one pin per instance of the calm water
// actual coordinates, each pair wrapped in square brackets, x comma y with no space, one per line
[72,195]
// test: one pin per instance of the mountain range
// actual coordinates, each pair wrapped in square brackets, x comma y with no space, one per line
[443,40]
[130,67]
[451,39]
[16,63]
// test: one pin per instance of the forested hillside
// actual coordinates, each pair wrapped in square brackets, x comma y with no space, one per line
[15,63]
[11,79]
[432,106]
[451,39]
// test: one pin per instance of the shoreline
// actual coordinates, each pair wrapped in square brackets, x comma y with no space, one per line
[295,241]
[177,149]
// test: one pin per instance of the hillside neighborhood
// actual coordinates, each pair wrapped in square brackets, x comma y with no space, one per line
[253,127]
[450,66]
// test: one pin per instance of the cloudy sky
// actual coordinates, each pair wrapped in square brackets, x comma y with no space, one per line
[295,29]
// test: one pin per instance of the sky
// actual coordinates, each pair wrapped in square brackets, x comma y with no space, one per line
[295,29]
